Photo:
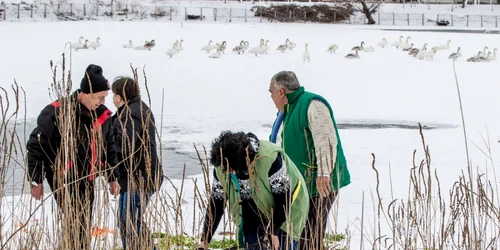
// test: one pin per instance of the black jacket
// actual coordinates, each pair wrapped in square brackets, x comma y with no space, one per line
[43,146]
[135,133]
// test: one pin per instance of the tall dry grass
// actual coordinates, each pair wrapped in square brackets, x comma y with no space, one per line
[468,219]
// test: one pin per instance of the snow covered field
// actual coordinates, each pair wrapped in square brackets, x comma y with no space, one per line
[204,95]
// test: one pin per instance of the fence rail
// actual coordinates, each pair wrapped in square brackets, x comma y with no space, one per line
[75,12]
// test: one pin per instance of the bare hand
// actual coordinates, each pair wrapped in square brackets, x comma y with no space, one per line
[114,188]
[323,185]
[274,241]
[37,191]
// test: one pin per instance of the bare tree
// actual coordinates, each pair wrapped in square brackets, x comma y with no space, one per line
[369,11]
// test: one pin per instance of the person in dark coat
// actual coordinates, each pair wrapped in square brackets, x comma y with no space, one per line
[141,173]
[72,144]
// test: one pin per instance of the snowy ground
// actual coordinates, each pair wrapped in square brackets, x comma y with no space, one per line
[204,96]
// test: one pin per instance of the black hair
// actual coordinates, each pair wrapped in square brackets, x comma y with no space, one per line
[125,87]
[229,149]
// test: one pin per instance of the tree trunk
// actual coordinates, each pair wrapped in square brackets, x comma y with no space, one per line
[369,11]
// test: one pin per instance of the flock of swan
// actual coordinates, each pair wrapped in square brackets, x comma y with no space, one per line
[424,53]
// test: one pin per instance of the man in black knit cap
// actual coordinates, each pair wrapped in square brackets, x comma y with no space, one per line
[71,145]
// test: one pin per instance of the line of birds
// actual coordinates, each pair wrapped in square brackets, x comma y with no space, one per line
[244,47]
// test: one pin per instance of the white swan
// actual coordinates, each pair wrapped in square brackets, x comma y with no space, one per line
[368,49]
[406,44]
[79,43]
[383,43]
[444,47]
[208,47]
[245,46]
[128,45]
[216,54]
[257,49]
[291,45]
[397,43]
[413,52]
[410,48]
[174,50]
[422,53]
[332,48]
[494,55]
[265,47]
[178,46]
[306,55]
[283,47]
[352,56]
[82,46]
[455,55]
[430,54]
[95,44]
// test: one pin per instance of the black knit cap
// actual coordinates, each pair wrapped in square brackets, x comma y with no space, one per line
[93,80]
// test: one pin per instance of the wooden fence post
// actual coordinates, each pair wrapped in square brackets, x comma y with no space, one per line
[245,15]
[44,10]
[230,15]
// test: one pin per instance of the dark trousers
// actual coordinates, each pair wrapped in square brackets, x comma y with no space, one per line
[314,230]
[255,241]
[75,201]
[134,233]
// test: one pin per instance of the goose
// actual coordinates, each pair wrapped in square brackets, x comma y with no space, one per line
[257,49]
[208,47]
[265,47]
[291,45]
[352,56]
[149,45]
[82,46]
[410,48]
[240,48]
[95,44]
[174,50]
[79,43]
[332,48]
[475,58]
[383,43]
[455,55]
[397,43]
[444,47]
[494,56]
[283,47]
[431,54]
[406,44]
[128,45]
[358,47]
[306,55]
[421,54]
[178,46]
[216,54]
